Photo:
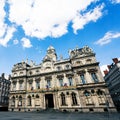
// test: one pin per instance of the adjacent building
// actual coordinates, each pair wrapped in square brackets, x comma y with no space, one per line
[73,84]
[4,93]
[112,78]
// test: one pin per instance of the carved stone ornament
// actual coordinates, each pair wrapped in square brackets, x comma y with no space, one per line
[18,66]
[92,70]
[30,80]
[69,74]
[48,77]
[37,79]
[81,72]
[87,50]
[81,51]
[60,76]
[21,81]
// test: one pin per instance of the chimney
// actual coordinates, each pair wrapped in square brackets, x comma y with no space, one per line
[109,66]
[9,77]
[105,72]
[115,60]
[3,76]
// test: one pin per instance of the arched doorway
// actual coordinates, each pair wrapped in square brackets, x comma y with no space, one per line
[49,101]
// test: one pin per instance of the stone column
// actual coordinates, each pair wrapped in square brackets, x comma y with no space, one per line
[68,100]
[17,85]
[33,101]
[55,100]
[16,103]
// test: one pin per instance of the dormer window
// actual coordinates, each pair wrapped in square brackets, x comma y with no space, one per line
[30,72]
[88,61]
[67,67]
[37,71]
[59,68]
[21,73]
[78,63]
[15,74]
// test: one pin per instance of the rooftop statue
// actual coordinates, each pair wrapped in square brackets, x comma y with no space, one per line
[82,51]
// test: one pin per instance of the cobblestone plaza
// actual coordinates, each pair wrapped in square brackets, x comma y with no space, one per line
[58,116]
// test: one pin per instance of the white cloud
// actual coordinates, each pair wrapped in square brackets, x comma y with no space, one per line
[8,35]
[6,32]
[115,1]
[108,37]
[2,15]
[81,20]
[43,18]
[15,42]
[26,43]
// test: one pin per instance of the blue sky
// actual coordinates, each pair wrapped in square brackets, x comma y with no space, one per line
[28,28]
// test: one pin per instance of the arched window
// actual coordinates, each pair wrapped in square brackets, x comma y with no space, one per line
[94,77]
[30,84]
[37,84]
[14,86]
[63,101]
[37,100]
[48,83]
[61,82]
[88,61]
[29,101]
[70,81]
[67,67]
[21,73]
[37,96]
[13,101]
[15,74]
[74,99]
[78,62]
[83,78]
[88,97]
[20,85]
[59,68]
[20,101]
[101,96]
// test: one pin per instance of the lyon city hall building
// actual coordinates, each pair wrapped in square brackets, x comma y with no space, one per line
[73,84]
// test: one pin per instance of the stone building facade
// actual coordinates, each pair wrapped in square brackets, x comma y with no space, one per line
[4,93]
[73,84]
[112,78]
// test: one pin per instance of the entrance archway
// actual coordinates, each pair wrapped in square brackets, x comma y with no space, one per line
[49,101]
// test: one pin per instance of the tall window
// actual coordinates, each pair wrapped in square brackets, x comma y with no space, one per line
[101,97]
[14,86]
[37,101]
[88,98]
[20,85]
[67,67]
[29,101]
[37,84]
[83,78]
[59,68]
[48,83]
[70,81]
[94,77]
[61,81]
[20,101]
[63,101]
[74,99]
[30,86]
[13,101]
